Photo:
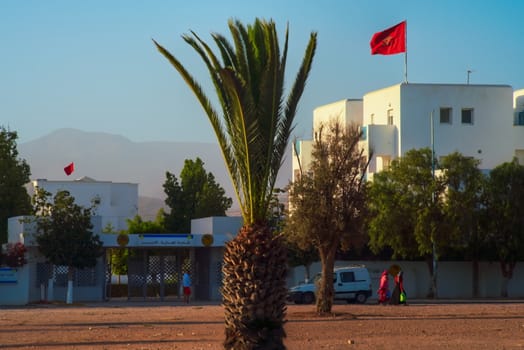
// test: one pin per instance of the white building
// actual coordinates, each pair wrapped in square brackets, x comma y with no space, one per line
[154,267]
[117,201]
[345,111]
[481,121]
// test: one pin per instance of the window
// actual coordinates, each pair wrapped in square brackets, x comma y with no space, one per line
[390,117]
[347,276]
[386,162]
[445,115]
[519,153]
[467,115]
[364,133]
[519,118]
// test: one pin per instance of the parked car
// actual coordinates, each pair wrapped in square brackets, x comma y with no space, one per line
[350,283]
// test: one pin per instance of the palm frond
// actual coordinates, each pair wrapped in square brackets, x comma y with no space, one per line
[254,128]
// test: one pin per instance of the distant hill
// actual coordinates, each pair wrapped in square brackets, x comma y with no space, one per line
[108,157]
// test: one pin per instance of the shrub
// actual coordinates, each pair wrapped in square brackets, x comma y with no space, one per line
[15,255]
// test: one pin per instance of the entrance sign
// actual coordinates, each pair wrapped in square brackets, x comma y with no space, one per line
[8,275]
[165,239]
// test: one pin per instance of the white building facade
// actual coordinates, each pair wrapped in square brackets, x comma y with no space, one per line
[117,201]
[345,111]
[481,121]
[154,265]
[475,120]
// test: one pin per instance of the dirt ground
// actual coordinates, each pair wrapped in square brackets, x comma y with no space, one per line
[480,325]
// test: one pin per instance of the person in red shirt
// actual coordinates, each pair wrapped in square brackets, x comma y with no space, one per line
[383,289]
[399,294]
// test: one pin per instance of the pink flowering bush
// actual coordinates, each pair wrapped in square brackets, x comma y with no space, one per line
[15,255]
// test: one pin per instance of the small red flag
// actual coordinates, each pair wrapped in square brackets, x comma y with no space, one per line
[390,41]
[69,169]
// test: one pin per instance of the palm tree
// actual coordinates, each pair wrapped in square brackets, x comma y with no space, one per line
[253,134]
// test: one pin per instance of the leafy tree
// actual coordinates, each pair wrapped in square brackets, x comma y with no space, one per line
[465,185]
[277,211]
[327,202]
[64,233]
[253,134]
[197,195]
[297,256]
[117,256]
[15,173]
[137,225]
[505,215]
[406,210]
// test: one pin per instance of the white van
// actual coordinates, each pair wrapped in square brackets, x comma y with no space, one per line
[351,283]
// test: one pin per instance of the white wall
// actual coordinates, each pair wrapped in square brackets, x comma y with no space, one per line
[228,225]
[305,148]
[118,201]
[490,138]
[518,100]
[15,293]
[454,278]
[486,139]
[345,111]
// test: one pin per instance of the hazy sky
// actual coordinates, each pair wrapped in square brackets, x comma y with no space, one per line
[91,65]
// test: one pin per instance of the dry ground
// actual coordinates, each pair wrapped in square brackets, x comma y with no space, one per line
[489,325]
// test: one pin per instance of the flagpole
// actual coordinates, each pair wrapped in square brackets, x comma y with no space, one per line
[406,54]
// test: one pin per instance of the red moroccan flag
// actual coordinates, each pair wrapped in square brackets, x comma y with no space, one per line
[390,41]
[69,169]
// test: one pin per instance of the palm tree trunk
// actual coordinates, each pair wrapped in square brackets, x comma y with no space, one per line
[254,289]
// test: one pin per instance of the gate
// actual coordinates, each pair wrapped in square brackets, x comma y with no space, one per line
[157,274]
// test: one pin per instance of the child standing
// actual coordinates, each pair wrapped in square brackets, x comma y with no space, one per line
[186,284]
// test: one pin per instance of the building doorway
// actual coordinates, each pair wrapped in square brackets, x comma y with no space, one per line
[152,274]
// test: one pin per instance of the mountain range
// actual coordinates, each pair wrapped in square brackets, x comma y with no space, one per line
[109,157]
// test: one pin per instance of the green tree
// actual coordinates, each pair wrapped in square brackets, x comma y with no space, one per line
[64,233]
[117,256]
[505,215]
[328,202]
[15,173]
[197,195]
[465,186]
[137,225]
[406,210]
[295,255]
[253,134]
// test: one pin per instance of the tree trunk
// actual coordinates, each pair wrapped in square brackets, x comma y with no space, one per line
[432,265]
[70,275]
[50,285]
[325,290]
[307,276]
[507,274]
[254,289]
